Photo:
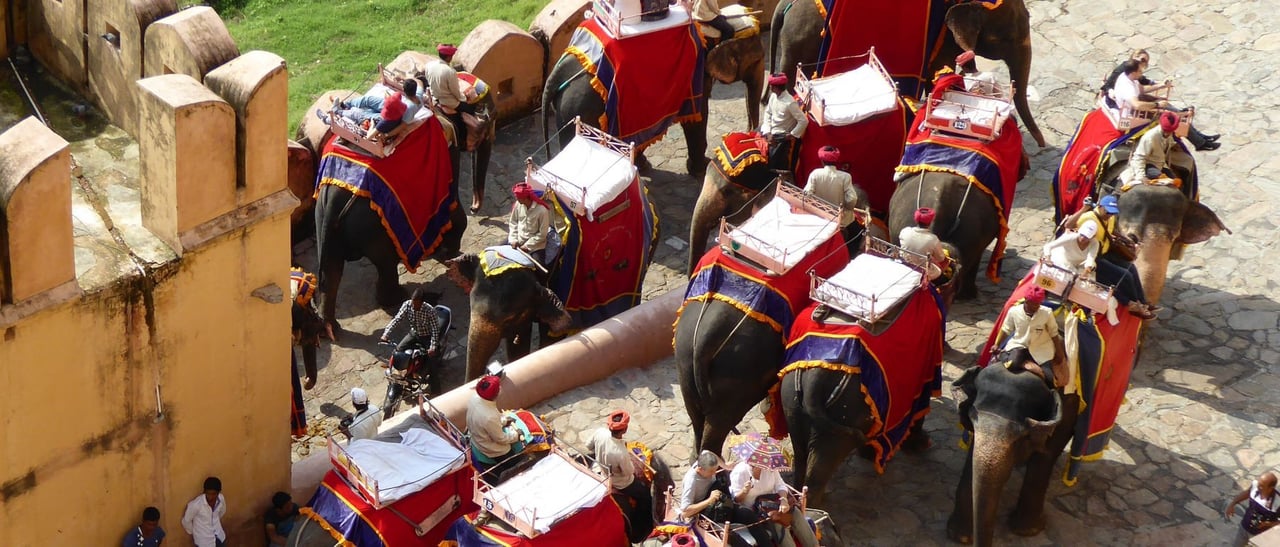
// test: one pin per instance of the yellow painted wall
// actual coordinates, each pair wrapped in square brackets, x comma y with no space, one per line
[81,452]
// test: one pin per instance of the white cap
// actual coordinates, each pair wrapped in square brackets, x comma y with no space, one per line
[359,397]
[1089,230]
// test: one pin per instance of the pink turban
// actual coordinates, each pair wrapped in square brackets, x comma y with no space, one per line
[778,79]
[446,50]
[924,216]
[1168,122]
[829,154]
[1036,295]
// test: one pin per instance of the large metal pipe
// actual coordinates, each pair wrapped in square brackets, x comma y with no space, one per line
[638,337]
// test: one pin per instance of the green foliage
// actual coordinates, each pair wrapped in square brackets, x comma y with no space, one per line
[337,44]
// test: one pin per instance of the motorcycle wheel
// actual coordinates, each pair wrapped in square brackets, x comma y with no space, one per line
[392,402]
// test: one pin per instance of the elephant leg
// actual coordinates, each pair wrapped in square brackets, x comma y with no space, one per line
[827,452]
[330,278]
[479,171]
[642,163]
[451,241]
[692,403]
[968,289]
[389,292]
[483,336]
[1027,518]
[518,346]
[695,136]
[960,523]
[917,439]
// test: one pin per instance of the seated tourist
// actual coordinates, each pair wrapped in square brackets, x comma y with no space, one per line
[1077,251]
[1200,140]
[1126,93]
[761,491]
[703,487]
[976,81]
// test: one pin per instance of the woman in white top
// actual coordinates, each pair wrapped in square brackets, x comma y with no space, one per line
[1127,92]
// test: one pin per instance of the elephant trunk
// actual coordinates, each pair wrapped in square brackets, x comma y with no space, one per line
[483,336]
[710,206]
[1152,263]
[994,441]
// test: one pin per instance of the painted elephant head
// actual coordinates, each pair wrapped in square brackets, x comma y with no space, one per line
[725,196]
[503,308]
[740,60]
[1163,221]
[1014,417]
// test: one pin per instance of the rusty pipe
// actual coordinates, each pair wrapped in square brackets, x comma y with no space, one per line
[635,338]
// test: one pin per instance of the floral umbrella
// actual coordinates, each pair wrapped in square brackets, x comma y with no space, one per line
[741,446]
[759,451]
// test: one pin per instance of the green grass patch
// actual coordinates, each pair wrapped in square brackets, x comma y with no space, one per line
[337,44]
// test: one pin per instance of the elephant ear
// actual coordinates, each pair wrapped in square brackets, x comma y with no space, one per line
[1199,224]
[963,390]
[462,271]
[1042,430]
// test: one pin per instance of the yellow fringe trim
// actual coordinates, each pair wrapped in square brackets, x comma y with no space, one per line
[752,158]
[404,258]
[337,536]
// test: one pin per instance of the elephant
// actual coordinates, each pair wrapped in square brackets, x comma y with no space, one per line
[1014,417]
[727,362]
[1163,220]
[1003,33]
[724,196]
[968,223]
[568,93]
[348,229]
[487,112]
[503,308]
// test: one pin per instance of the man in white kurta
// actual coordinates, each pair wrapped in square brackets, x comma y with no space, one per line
[1031,327]
[1150,157]
[783,123]
[614,459]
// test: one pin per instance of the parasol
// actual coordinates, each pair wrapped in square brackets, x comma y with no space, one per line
[760,451]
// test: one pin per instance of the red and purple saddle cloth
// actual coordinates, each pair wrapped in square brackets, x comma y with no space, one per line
[600,272]
[771,299]
[350,520]
[412,190]
[905,33]
[741,158]
[1106,357]
[900,368]
[601,524]
[994,167]
[647,81]
[869,151]
[1085,160]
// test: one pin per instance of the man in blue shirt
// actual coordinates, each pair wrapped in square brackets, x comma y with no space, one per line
[147,534]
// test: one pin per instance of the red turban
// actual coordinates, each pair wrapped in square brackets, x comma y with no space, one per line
[829,154]
[778,79]
[488,386]
[522,190]
[446,50]
[393,108]
[683,540]
[965,58]
[1168,122]
[1036,295]
[619,420]
[924,216]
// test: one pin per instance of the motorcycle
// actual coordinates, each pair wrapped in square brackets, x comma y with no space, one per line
[413,372]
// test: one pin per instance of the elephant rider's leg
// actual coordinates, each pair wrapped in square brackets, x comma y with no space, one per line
[1126,281]
[459,127]
[642,516]
[540,255]
[780,147]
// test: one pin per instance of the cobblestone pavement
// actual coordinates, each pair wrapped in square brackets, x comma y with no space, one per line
[1205,398]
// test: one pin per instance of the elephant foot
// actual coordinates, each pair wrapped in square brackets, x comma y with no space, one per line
[1026,526]
[967,293]
[476,201]
[958,532]
[308,383]
[917,442]
[643,165]
[697,167]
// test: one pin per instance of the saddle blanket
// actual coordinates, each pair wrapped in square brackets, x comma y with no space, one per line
[600,524]
[350,520]
[498,259]
[412,191]
[647,81]
[601,268]
[1087,156]
[740,157]
[772,299]
[1100,359]
[869,150]
[900,368]
[905,33]
[994,167]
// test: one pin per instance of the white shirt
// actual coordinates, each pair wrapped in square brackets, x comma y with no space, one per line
[835,187]
[364,425]
[484,424]
[770,482]
[982,83]
[783,115]
[443,81]
[1065,253]
[612,454]
[921,241]
[1125,92]
[204,523]
[1035,333]
[694,489]
[705,10]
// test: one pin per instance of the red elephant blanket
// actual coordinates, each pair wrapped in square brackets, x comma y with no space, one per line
[900,368]
[993,167]
[1101,357]
[869,150]
[601,524]
[412,190]
[1086,158]
[905,33]
[740,157]
[647,81]
[771,299]
[352,521]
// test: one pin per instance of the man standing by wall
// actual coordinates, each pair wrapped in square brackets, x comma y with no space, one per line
[203,517]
